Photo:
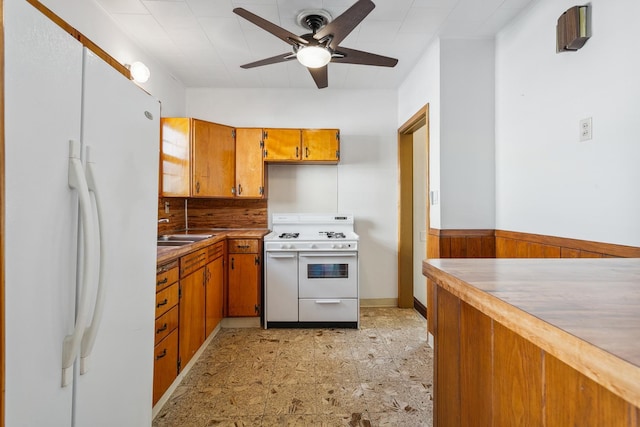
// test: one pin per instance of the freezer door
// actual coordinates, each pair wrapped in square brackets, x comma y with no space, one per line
[121,128]
[43,69]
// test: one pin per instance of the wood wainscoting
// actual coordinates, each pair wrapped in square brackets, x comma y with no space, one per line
[512,244]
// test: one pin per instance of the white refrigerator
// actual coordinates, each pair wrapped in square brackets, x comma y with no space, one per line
[81,177]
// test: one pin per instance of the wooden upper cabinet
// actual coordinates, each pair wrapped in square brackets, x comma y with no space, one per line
[250,173]
[282,145]
[321,145]
[174,157]
[302,145]
[213,160]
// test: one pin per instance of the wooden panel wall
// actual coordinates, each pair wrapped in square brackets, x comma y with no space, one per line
[227,213]
[212,213]
[511,244]
[461,243]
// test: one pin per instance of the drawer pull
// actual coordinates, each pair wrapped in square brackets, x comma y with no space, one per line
[162,329]
[160,304]
[161,355]
[328,301]
[162,282]
[243,246]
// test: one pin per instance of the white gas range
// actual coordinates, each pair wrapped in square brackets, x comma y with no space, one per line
[311,271]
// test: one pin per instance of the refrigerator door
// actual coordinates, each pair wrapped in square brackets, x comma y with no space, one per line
[43,69]
[121,130]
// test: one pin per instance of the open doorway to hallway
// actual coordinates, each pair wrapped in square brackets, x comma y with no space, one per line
[413,215]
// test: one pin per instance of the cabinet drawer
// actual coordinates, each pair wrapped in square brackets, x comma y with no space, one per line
[328,310]
[165,364]
[166,299]
[240,246]
[193,261]
[166,275]
[166,323]
[215,251]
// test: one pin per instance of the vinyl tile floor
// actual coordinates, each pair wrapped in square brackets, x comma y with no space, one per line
[378,375]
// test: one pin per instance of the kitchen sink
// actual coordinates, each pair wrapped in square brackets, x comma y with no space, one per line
[174,242]
[183,237]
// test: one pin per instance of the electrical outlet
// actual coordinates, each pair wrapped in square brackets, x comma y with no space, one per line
[586,131]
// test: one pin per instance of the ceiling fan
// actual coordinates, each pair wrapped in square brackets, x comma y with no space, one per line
[316,49]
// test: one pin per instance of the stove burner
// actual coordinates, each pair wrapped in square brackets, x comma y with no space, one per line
[288,236]
[333,234]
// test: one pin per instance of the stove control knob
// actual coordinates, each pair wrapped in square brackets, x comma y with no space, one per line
[313,246]
[285,246]
[337,246]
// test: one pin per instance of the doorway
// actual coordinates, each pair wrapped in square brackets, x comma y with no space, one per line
[408,233]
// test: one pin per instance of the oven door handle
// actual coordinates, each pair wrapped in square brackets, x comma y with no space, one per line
[328,301]
[280,255]
[329,254]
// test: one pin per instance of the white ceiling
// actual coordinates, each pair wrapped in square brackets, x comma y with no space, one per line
[203,43]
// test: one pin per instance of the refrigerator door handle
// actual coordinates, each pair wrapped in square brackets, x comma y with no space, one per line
[89,337]
[78,182]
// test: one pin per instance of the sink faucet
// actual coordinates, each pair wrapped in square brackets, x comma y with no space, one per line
[163,220]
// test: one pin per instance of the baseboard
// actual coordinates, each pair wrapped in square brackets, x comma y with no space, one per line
[420,307]
[240,322]
[378,302]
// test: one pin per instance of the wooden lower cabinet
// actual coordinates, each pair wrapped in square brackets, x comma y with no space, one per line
[165,364]
[214,287]
[244,277]
[192,303]
[487,375]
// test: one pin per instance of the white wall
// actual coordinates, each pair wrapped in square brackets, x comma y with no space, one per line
[467,165]
[456,79]
[549,182]
[365,181]
[91,20]
[421,87]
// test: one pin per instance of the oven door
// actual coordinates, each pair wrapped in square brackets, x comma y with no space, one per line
[328,274]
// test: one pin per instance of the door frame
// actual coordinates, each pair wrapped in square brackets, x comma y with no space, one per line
[2,208]
[405,203]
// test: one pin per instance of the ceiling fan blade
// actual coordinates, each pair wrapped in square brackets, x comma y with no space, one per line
[340,27]
[352,56]
[273,60]
[277,31]
[320,76]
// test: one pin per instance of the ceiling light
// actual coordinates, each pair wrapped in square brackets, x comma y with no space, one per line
[139,72]
[313,56]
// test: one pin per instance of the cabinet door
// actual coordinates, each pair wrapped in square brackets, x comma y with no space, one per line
[214,294]
[174,157]
[321,145]
[213,160]
[282,145]
[249,163]
[165,365]
[244,285]
[191,325]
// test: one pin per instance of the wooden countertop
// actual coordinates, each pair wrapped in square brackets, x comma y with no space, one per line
[169,253]
[585,312]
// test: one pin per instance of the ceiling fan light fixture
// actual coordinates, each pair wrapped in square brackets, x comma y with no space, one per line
[313,56]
